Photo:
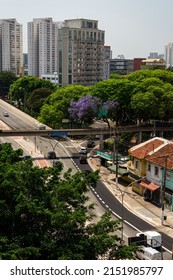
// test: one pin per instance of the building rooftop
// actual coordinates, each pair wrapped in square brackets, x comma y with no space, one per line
[141,150]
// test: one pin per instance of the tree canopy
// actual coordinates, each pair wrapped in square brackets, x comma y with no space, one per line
[141,95]
[56,106]
[23,87]
[45,216]
[88,107]
[36,100]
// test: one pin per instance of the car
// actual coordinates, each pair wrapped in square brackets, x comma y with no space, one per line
[83,159]
[40,127]
[6,114]
[83,150]
[26,157]
[51,155]
[91,144]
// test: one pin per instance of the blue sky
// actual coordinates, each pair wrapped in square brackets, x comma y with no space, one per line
[133,28]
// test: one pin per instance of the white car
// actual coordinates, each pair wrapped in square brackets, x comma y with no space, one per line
[6,114]
[83,150]
[40,127]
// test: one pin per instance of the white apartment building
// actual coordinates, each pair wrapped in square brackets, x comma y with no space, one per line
[169,55]
[107,57]
[80,52]
[11,46]
[42,47]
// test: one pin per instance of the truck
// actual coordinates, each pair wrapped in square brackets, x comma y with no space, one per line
[153,238]
[148,253]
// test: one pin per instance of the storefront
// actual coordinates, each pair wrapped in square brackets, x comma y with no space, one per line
[151,191]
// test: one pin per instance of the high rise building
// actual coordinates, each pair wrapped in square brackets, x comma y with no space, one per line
[80,52]
[153,55]
[168,57]
[107,57]
[11,46]
[42,47]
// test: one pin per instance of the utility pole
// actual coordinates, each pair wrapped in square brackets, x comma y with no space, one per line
[115,146]
[163,190]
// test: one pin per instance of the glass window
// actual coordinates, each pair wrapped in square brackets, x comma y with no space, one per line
[137,164]
[149,167]
[156,171]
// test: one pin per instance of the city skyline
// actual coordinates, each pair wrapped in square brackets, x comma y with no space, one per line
[131,29]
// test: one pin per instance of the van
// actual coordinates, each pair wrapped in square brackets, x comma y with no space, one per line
[154,238]
[148,253]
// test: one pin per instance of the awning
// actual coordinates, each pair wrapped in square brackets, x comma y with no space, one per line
[149,185]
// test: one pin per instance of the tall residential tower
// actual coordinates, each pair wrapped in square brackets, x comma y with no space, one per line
[11,46]
[169,55]
[42,47]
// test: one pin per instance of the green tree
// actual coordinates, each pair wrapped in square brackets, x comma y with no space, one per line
[23,87]
[153,100]
[6,79]
[56,105]
[36,100]
[45,216]
[120,90]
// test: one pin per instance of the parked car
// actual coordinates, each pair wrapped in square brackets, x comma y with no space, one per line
[51,155]
[83,150]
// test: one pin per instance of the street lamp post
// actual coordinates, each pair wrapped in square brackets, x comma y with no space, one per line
[123,192]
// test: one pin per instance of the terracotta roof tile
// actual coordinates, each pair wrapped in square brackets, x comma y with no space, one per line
[159,156]
[141,151]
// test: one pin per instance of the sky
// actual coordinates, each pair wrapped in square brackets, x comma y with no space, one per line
[133,28]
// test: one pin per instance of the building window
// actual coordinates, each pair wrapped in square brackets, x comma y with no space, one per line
[156,171]
[168,175]
[149,167]
[137,164]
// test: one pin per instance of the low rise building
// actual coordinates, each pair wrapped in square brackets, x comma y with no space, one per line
[153,63]
[152,162]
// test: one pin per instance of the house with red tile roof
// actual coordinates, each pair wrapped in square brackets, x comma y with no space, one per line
[151,159]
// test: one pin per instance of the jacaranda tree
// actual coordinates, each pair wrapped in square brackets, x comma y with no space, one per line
[87,108]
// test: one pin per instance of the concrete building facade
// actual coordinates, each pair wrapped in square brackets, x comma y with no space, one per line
[11,46]
[42,47]
[80,52]
[168,56]
[121,65]
[107,57]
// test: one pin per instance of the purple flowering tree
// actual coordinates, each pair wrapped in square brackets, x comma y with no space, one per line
[89,107]
[85,109]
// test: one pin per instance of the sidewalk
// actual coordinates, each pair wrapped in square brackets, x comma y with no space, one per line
[134,202]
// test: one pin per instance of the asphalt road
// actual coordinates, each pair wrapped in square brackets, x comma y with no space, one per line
[16,121]
[108,200]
